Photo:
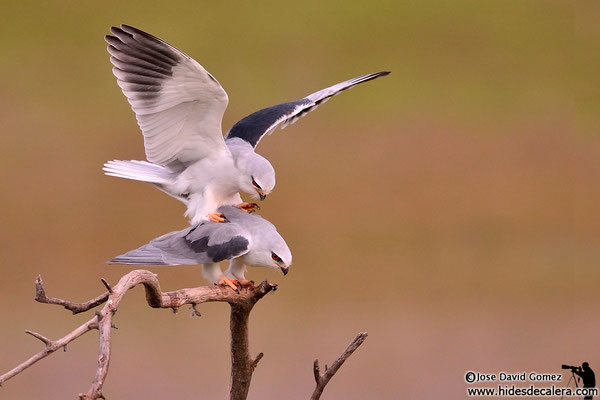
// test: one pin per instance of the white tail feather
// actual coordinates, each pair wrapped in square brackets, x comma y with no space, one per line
[139,171]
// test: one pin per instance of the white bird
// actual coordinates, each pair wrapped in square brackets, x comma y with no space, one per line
[247,240]
[179,107]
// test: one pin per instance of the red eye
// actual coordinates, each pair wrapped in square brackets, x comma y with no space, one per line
[275,257]
[255,184]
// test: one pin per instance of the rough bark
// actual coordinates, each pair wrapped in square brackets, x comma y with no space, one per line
[241,304]
[242,365]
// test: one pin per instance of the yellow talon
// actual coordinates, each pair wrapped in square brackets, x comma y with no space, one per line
[248,207]
[217,217]
[232,283]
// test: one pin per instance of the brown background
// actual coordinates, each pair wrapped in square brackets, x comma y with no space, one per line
[449,209]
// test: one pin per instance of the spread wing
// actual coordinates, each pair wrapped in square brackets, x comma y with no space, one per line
[178,104]
[253,127]
[207,242]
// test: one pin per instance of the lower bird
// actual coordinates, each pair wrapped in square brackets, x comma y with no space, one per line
[247,240]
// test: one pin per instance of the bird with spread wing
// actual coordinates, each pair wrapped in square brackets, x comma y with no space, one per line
[179,107]
[247,241]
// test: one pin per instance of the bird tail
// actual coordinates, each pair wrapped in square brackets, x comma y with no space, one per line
[139,171]
[145,255]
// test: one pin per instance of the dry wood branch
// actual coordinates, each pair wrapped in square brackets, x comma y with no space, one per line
[75,308]
[323,379]
[242,364]
[50,347]
[241,305]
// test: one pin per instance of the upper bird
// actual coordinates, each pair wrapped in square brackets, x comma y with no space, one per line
[179,107]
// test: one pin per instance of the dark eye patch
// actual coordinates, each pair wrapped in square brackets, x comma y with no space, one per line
[256,185]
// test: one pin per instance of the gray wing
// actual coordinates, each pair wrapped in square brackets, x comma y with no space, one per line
[253,127]
[208,242]
[178,104]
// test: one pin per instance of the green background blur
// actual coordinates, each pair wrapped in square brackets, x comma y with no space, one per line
[449,209]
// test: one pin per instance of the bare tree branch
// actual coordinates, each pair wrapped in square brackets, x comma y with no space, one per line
[241,304]
[51,347]
[323,379]
[75,308]
[242,364]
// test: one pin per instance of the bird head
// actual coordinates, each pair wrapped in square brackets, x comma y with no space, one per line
[280,263]
[270,251]
[259,176]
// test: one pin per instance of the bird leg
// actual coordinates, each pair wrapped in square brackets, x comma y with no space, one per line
[248,207]
[232,283]
[217,217]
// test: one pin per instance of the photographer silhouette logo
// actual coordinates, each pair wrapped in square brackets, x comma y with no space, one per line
[585,374]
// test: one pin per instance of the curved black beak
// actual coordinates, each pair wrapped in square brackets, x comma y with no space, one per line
[262,196]
[285,270]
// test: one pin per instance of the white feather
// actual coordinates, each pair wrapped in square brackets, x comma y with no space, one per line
[181,122]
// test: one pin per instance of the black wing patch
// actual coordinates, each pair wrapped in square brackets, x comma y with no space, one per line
[253,127]
[140,60]
[218,252]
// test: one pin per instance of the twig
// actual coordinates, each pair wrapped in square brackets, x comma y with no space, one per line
[256,360]
[195,312]
[75,308]
[241,305]
[323,379]
[44,339]
[106,285]
[51,347]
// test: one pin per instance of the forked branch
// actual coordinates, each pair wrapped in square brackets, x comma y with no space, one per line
[241,304]
[75,308]
[323,379]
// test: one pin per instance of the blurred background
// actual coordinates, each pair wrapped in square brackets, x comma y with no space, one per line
[449,209]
